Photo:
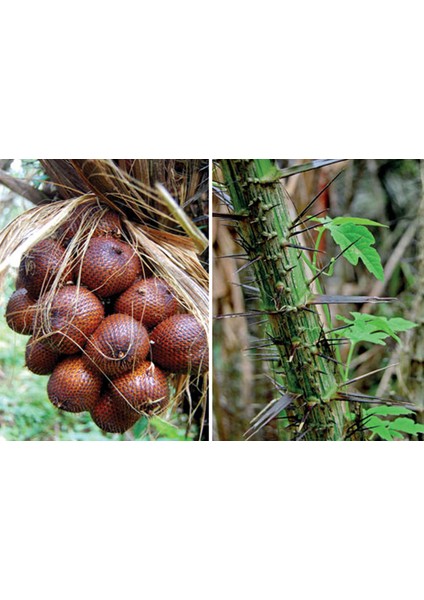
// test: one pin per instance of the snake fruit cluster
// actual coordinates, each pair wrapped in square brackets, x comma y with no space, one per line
[110,334]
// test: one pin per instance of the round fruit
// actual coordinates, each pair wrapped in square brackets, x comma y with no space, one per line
[19,282]
[108,266]
[40,359]
[119,344]
[40,265]
[179,345]
[74,386]
[20,312]
[149,301]
[145,388]
[74,315]
[108,224]
[113,415]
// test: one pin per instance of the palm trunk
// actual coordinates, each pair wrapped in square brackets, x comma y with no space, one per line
[307,363]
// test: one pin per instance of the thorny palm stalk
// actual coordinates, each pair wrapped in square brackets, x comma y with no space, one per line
[308,366]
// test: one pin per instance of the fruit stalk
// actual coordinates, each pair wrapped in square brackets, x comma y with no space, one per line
[310,372]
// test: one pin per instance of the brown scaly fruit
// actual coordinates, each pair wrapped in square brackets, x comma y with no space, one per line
[19,282]
[119,344]
[74,315]
[108,224]
[40,265]
[20,312]
[74,386]
[149,301]
[179,345]
[108,266]
[113,415]
[145,388]
[40,359]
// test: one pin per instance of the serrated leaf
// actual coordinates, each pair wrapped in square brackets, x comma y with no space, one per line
[407,426]
[356,221]
[379,427]
[347,234]
[399,324]
[356,242]
[366,328]
[388,410]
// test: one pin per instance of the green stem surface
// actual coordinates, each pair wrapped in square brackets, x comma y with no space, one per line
[307,361]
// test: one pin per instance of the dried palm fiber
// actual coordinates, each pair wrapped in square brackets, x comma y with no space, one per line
[147,224]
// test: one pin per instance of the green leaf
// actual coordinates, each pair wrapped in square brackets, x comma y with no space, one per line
[389,430]
[356,241]
[140,427]
[379,427]
[347,234]
[407,426]
[399,324]
[356,221]
[388,410]
[366,328]
[166,430]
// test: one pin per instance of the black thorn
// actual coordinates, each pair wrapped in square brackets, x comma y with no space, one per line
[303,230]
[305,210]
[304,248]
[309,218]
[244,256]
[249,264]
[331,359]
[331,261]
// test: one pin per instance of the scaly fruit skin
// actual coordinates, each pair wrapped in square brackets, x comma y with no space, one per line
[75,314]
[40,359]
[180,345]
[40,265]
[108,266]
[149,301]
[20,312]
[145,389]
[113,415]
[74,386]
[119,344]
[19,282]
[108,224]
